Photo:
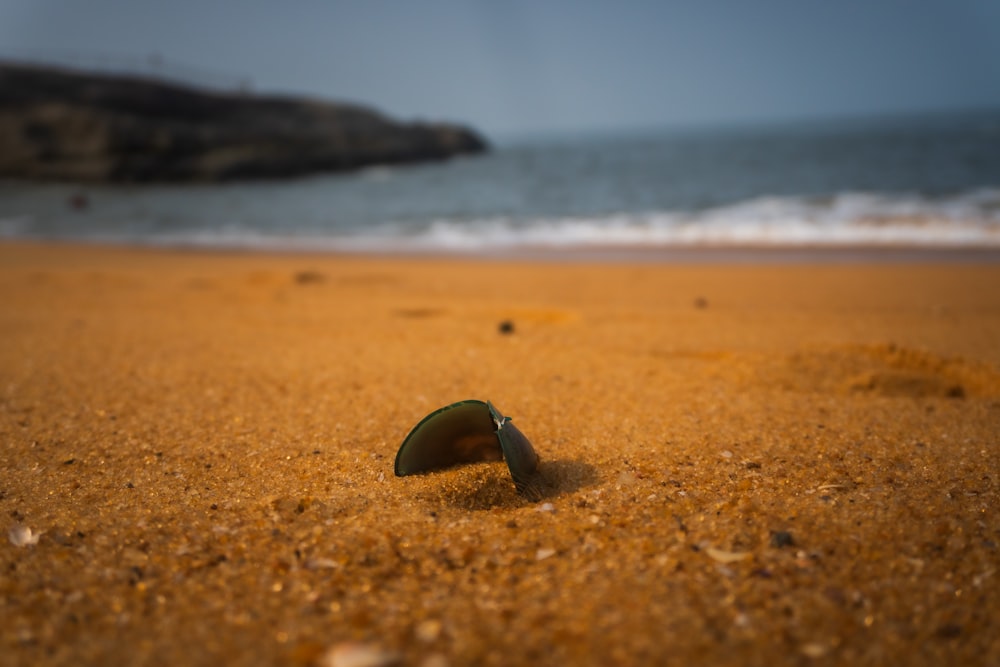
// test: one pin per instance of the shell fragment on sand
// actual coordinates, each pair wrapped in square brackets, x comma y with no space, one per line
[22,536]
[469,431]
[726,557]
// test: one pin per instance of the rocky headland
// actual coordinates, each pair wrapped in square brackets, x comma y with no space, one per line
[68,125]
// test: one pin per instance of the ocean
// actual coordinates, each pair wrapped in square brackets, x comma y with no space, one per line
[924,182]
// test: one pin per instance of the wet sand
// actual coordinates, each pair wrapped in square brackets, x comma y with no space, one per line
[753,463]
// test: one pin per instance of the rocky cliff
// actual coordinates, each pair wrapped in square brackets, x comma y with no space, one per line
[58,124]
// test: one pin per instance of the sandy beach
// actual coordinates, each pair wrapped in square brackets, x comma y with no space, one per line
[749,463]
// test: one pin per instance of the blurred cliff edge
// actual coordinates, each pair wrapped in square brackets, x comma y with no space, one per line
[67,125]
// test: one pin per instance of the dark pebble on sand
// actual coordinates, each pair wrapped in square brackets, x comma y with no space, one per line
[781,538]
[309,277]
[949,631]
[61,537]
[506,327]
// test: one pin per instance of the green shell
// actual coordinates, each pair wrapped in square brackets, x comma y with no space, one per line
[462,432]
[522,460]
[468,432]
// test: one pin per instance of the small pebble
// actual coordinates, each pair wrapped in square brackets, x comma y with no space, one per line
[949,631]
[956,391]
[506,327]
[542,554]
[309,277]
[546,507]
[782,538]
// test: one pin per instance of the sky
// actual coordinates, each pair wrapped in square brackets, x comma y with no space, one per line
[513,67]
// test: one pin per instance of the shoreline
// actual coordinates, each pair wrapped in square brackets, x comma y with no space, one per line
[599,254]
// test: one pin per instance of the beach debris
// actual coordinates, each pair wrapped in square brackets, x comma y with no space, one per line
[22,536]
[321,564]
[827,487]
[781,538]
[359,654]
[544,553]
[506,327]
[546,507]
[725,557]
[469,431]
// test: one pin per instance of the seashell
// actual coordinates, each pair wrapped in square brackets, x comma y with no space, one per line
[22,536]
[468,432]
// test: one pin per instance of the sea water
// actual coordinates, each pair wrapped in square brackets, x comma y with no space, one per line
[927,182]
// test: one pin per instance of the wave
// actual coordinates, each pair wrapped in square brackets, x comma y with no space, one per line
[969,219]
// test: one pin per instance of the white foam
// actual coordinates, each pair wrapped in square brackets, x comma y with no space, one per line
[970,219]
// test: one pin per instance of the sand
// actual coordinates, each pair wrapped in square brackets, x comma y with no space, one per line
[746,464]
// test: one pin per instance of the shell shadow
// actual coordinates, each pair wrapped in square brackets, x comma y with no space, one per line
[492,487]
